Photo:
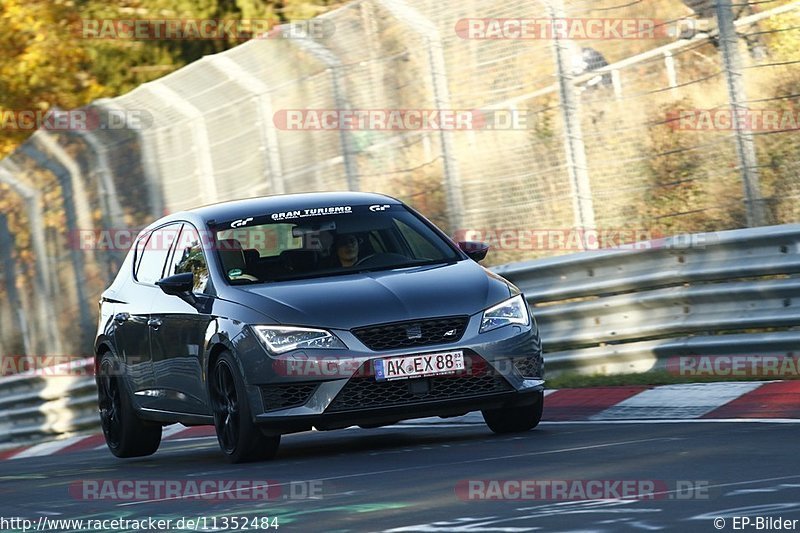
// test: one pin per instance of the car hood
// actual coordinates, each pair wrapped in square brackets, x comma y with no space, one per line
[353,300]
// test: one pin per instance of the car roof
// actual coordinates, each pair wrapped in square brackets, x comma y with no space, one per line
[284,202]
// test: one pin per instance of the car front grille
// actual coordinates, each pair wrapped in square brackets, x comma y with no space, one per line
[412,333]
[284,395]
[528,367]
[365,392]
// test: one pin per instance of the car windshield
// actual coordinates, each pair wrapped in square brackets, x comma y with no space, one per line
[327,241]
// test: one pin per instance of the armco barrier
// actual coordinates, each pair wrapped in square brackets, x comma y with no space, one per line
[628,310]
[36,406]
[607,311]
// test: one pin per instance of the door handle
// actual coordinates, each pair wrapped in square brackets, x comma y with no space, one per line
[119,318]
[154,323]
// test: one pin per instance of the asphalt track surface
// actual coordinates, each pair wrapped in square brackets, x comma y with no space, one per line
[404,478]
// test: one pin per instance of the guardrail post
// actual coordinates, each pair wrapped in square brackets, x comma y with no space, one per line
[10,275]
[745,147]
[582,204]
[432,41]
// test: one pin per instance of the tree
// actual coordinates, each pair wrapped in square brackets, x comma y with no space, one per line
[46,60]
[42,62]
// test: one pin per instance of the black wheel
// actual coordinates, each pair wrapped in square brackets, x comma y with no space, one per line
[126,434]
[239,438]
[515,419]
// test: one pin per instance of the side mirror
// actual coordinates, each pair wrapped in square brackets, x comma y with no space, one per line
[178,284]
[474,250]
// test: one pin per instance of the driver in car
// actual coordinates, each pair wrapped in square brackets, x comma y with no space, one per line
[346,250]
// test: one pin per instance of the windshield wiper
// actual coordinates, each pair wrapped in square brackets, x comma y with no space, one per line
[409,265]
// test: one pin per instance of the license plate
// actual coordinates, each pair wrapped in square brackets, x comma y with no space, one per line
[415,366]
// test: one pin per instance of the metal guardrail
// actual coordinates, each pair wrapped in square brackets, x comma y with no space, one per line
[46,404]
[629,310]
[606,311]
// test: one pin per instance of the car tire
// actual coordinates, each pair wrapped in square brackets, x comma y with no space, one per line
[515,419]
[240,440]
[125,433]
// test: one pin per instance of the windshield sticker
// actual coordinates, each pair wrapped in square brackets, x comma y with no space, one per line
[314,212]
[382,207]
[241,222]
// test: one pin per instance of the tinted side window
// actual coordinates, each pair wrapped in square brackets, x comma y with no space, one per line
[189,257]
[137,258]
[154,254]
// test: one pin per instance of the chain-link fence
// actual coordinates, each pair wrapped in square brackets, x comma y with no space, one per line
[632,118]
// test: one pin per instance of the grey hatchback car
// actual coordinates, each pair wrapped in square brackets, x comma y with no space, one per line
[280,314]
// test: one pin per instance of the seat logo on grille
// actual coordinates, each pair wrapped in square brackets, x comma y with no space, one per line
[414,332]
[450,333]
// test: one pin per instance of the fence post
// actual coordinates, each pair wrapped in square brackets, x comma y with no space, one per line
[44,293]
[10,275]
[432,41]
[263,99]
[745,147]
[669,64]
[113,217]
[83,211]
[582,203]
[329,59]
[149,159]
[199,134]
[76,256]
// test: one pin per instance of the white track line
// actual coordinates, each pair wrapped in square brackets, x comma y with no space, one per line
[420,467]
[686,400]
[678,421]
[47,448]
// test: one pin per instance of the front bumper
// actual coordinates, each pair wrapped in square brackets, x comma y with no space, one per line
[504,369]
[285,422]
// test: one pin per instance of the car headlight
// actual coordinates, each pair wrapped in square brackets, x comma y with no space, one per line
[511,311]
[282,339]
